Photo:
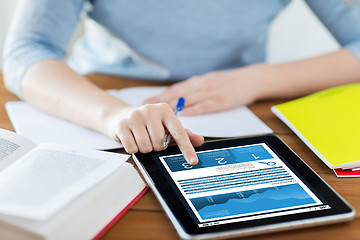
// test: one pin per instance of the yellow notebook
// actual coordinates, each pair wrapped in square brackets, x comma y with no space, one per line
[328,122]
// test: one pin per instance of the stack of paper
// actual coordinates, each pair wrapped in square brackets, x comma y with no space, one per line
[329,124]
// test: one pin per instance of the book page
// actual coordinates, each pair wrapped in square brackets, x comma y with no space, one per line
[50,176]
[237,122]
[12,147]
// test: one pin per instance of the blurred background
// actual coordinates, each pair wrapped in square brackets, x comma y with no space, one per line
[295,34]
[7,8]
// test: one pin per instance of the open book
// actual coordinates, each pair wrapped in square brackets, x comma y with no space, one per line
[53,191]
[42,127]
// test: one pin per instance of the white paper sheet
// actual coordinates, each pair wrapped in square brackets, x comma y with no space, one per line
[42,127]
[236,122]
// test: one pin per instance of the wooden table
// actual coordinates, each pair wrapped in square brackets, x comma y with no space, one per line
[147,220]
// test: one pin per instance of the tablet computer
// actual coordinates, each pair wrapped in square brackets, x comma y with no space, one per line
[240,187]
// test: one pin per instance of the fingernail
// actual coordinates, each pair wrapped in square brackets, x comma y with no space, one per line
[193,160]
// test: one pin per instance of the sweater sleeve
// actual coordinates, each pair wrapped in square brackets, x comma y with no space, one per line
[342,19]
[40,29]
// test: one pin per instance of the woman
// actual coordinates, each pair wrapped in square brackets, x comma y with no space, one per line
[209,48]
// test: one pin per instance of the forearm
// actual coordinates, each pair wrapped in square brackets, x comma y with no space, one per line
[221,90]
[310,75]
[53,87]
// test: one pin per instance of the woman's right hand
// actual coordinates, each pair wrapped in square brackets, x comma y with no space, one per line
[142,129]
[55,88]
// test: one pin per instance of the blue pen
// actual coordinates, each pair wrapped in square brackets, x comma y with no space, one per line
[179,106]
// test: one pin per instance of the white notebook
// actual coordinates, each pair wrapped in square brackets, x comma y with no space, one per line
[45,128]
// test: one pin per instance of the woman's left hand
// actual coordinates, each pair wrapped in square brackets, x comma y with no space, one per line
[216,91]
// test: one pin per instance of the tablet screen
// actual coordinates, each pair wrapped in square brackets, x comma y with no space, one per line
[238,184]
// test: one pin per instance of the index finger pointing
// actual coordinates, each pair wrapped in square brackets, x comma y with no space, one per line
[182,139]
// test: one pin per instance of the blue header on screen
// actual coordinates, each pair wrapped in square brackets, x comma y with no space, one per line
[219,158]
